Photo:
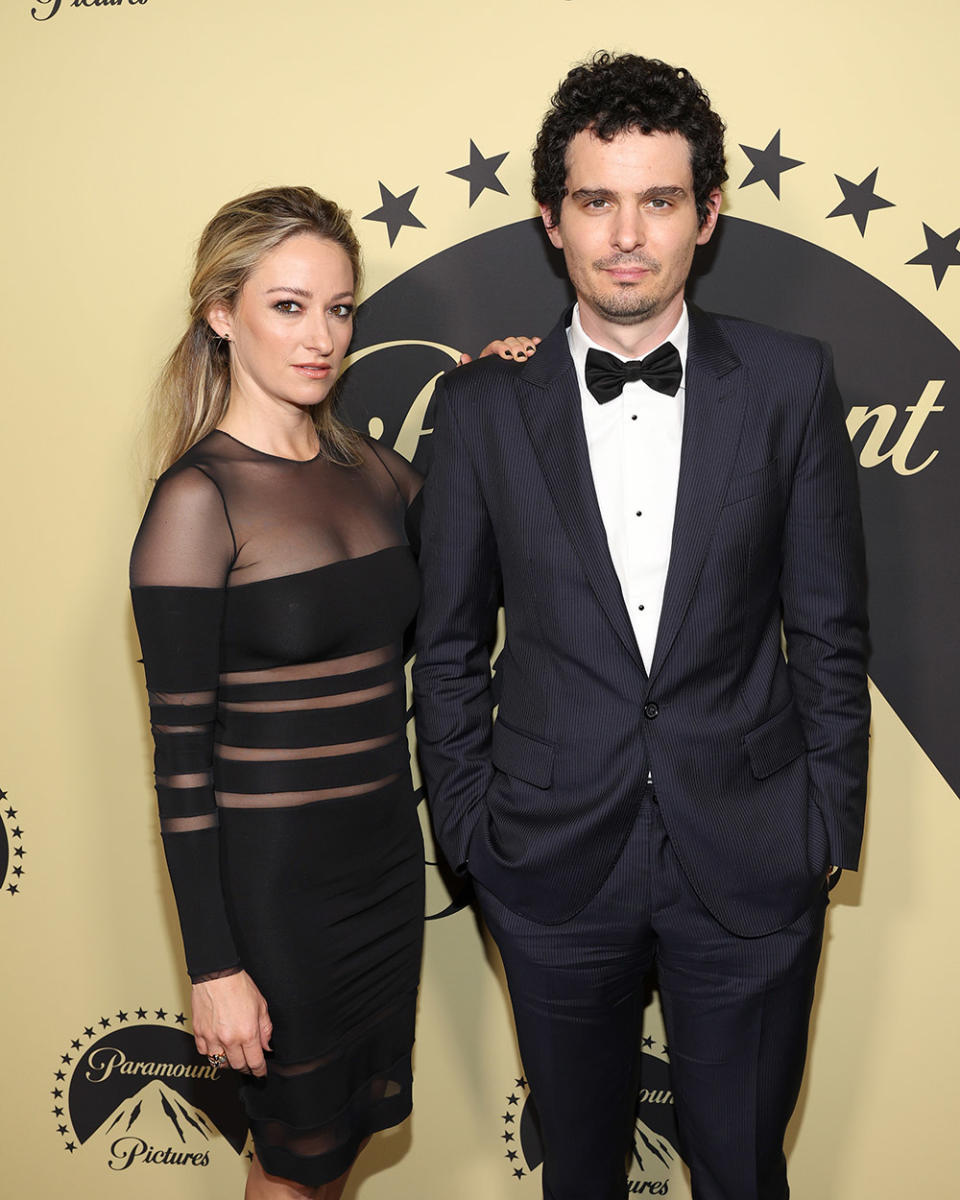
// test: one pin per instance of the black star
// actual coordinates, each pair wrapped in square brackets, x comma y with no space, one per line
[59,1075]
[519,1172]
[511,1154]
[11,812]
[141,1014]
[75,1044]
[181,1019]
[648,1042]
[121,1017]
[508,1118]
[666,1048]
[940,255]
[250,1155]
[394,212]
[18,870]
[70,1146]
[104,1022]
[3,794]
[513,1100]
[507,1135]
[481,173]
[19,851]
[65,1058]
[58,1111]
[57,1093]
[61,1129]
[768,165]
[161,1014]
[859,200]
[88,1031]
[18,832]
[12,889]
[521,1082]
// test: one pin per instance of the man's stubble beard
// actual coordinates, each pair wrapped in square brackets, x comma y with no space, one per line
[627,309]
[629,305]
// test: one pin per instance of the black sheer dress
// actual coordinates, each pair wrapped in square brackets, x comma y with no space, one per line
[271,597]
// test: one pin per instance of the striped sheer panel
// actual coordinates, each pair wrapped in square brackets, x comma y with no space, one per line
[182,725]
[284,731]
[372,1093]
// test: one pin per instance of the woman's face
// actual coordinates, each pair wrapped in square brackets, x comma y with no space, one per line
[291,325]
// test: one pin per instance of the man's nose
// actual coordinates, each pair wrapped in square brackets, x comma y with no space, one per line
[629,231]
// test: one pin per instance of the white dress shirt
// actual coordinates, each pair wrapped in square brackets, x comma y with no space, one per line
[634,446]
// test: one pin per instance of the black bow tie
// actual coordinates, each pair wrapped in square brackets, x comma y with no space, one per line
[606,374]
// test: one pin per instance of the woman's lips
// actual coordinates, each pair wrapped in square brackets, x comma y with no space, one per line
[313,370]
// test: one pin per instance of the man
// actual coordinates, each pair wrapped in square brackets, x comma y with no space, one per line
[662,786]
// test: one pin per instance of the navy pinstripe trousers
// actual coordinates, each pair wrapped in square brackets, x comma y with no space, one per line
[736,1012]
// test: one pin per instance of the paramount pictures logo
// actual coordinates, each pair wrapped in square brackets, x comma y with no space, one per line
[653,1157]
[132,1090]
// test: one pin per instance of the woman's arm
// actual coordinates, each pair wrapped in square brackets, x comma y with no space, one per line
[180,562]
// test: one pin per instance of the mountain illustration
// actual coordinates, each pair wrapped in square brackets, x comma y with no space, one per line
[158,1115]
[646,1143]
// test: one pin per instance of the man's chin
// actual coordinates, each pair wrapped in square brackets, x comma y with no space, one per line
[632,311]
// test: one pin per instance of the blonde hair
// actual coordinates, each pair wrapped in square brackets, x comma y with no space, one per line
[192,393]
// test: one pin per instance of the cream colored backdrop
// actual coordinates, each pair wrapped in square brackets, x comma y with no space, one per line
[125,126]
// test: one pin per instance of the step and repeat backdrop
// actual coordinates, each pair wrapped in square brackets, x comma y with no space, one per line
[126,123]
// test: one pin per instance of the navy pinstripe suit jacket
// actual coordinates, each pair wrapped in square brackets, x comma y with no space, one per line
[759,760]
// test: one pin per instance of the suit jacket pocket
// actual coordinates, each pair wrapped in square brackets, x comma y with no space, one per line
[775,743]
[521,756]
[754,483]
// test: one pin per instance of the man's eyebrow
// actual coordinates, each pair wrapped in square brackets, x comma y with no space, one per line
[593,194]
[659,191]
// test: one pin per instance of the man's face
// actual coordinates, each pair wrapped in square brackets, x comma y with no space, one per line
[628,228]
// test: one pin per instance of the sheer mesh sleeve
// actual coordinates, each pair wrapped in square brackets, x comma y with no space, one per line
[409,485]
[178,572]
[408,481]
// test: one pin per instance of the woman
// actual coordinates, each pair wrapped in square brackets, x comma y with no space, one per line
[272,583]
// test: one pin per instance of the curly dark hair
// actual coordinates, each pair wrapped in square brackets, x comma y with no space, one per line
[611,94]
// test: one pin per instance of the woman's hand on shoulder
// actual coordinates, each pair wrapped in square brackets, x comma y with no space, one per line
[230,1017]
[514,348]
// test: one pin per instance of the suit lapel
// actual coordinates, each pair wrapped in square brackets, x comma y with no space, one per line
[549,398]
[712,422]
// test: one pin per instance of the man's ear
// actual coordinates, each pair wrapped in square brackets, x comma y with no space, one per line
[553,231]
[710,221]
[220,320]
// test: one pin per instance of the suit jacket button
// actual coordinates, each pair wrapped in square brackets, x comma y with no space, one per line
[651,710]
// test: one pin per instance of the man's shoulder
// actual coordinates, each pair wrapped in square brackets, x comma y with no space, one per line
[755,342]
[487,379]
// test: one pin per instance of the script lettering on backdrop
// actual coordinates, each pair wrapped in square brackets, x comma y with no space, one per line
[889,433]
[45,9]
[884,418]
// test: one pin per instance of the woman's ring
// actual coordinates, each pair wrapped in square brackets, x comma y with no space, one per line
[217,1060]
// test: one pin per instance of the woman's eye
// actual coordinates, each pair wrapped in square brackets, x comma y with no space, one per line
[287,306]
[342,310]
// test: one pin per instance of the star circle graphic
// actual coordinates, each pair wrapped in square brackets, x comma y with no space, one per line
[12,849]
